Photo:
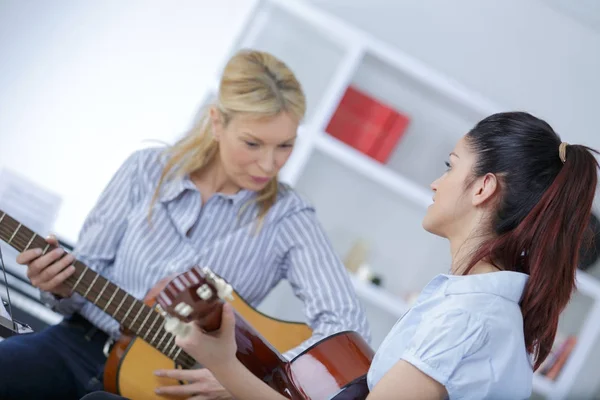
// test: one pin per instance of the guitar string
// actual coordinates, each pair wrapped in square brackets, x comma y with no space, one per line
[22,238]
[130,302]
[166,347]
[93,292]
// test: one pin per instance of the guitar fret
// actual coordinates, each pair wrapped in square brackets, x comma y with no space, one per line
[177,355]
[30,241]
[14,233]
[168,344]
[162,338]
[159,328]
[120,304]
[80,277]
[174,347]
[144,321]
[110,300]
[91,285]
[102,291]
[128,311]
[156,315]
[149,331]
[137,315]
[147,321]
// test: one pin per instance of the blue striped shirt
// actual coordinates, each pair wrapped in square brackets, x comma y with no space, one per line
[117,241]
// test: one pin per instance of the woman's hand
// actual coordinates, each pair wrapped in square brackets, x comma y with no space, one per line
[216,351]
[48,272]
[201,385]
[212,350]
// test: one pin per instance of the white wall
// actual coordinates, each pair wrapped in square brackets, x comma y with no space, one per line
[520,54]
[82,84]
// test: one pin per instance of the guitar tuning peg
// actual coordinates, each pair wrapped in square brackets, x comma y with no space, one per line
[177,327]
[204,292]
[224,289]
[183,309]
[160,310]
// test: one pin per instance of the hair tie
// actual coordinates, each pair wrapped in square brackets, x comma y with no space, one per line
[562,151]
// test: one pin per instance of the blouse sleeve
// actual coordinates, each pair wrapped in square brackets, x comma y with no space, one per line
[102,230]
[319,278]
[443,340]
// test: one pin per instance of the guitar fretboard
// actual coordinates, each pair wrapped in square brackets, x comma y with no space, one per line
[133,314]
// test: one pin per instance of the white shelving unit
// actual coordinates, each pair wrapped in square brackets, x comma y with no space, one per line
[371,169]
[357,196]
[380,298]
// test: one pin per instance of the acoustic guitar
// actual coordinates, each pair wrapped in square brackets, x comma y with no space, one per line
[146,345]
[334,368]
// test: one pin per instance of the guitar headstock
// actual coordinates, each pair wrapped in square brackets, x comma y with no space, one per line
[195,295]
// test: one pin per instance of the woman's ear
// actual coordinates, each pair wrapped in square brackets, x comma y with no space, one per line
[484,189]
[216,123]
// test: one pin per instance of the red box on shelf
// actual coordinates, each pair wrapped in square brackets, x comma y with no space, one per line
[368,125]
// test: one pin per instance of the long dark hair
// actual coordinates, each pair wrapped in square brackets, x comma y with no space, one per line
[542,214]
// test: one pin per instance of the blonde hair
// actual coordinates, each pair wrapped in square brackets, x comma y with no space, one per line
[254,84]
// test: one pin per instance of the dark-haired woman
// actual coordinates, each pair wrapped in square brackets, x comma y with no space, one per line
[513,203]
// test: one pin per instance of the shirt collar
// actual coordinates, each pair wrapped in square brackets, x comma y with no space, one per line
[507,284]
[174,187]
[238,198]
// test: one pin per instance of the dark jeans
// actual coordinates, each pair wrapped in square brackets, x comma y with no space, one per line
[64,362]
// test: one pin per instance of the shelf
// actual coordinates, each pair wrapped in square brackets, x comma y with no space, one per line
[342,32]
[588,284]
[542,385]
[292,38]
[436,122]
[380,297]
[333,28]
[354,203]
[374,170]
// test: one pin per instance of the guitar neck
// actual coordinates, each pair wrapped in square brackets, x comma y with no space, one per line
[201,292]
[133,314]
[253,350]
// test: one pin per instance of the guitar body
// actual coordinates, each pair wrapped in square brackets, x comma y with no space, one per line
[337,365]
[129,369]
[334,368]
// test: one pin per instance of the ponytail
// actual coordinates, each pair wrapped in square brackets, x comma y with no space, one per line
[545,242]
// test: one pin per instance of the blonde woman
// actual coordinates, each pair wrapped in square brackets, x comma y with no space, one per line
[213,198]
